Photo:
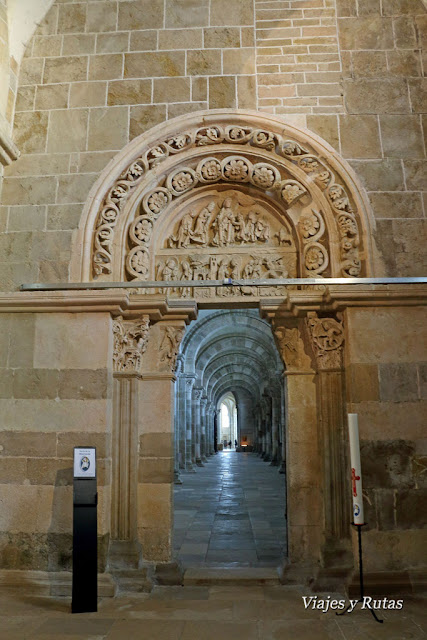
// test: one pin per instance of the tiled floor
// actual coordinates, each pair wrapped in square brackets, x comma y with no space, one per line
[204,613]
[232,510]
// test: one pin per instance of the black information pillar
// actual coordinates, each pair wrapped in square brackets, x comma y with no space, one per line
[85,549]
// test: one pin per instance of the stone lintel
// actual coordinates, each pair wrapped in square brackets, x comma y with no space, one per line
[158,376]
[116,302]
[296,304]
[339,297]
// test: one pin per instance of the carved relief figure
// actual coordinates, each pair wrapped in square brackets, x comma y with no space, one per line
[275,268]
[228,228]
[183,237]
[169,346]
[201,228]
[327,336]
[283,237]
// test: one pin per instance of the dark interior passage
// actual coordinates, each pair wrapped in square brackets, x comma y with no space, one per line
[231,511]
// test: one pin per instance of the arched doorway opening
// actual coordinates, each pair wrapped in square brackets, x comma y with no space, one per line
[228,421]
[230,195]
[230,506]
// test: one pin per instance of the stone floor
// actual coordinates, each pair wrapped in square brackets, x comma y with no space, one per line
[204,613]
[232,510]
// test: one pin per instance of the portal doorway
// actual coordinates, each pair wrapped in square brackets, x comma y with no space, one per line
[229,506]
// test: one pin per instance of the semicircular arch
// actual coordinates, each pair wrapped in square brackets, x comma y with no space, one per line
[292,196]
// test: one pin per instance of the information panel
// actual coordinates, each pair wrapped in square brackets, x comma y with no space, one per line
[84,462]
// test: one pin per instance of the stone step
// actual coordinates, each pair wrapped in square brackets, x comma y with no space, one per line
[132,580]
[226,576]
[49,583]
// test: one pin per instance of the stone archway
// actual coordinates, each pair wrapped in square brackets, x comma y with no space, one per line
[236,195]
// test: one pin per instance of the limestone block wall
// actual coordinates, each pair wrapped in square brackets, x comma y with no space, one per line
[297,57]
[386,386]
[4,60]
[55,393]
[383,134]
[8,88]
[97,74]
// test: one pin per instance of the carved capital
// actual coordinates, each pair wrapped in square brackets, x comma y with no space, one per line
[327,338]
[169,346]
[130,343]
[197,393]
[290,345]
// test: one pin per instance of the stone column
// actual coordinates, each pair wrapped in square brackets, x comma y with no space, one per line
[282,428]
[197,396]
[189,382]
[300,448]
[275,417]
[130,343]
[327,339]
[203,429]
[209,429]
[179,442]
[180,426]
[156,442]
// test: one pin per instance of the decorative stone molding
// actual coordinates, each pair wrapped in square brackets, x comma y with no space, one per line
[283,162]
[327,337]
[130,343]
[169,346]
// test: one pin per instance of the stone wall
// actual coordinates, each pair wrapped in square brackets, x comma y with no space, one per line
[383,133]
[98,74]
[53,396]
[386,386]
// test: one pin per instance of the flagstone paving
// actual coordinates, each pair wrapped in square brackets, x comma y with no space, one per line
[231,510]
[204,613]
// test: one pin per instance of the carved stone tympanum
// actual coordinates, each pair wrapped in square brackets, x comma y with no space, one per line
[287,166]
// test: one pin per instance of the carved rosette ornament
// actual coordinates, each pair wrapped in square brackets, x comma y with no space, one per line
[327,338]
[130,343]
[217,167]
[169,346]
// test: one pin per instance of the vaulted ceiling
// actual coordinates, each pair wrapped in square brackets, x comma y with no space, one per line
[232,350]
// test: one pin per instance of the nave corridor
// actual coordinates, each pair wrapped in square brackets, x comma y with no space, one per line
[231,511]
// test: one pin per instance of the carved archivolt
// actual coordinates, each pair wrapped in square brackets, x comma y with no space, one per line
[130,343]
[218,165]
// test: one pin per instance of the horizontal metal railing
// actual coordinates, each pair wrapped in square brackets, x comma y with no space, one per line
[228,282]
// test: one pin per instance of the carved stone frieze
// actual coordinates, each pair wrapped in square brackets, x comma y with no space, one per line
[169,346]
[130,343]
[327,338]
[232,169]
